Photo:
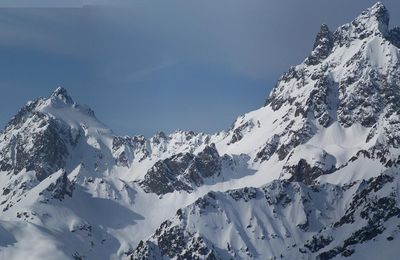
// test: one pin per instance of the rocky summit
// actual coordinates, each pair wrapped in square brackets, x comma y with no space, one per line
[313,174]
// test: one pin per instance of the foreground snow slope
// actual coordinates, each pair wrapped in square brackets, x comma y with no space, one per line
[311,174]
[286,220]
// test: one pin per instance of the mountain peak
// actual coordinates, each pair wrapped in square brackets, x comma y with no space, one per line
[378,9]
[346,76]
[380,13]
[375,17]
[62,94]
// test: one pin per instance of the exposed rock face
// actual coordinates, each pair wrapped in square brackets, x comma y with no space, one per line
[304,172]
[60,188]
[126,149]
[175,243]
[35,142]
[182,171]
[373,205]
[238,132]
[268,149]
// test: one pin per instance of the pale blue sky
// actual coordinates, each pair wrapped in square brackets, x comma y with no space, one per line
[145,66]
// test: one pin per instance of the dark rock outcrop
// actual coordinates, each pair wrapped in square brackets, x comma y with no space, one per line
[182,172]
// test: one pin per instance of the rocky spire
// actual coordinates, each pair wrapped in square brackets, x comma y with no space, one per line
[62,94]
[322,46]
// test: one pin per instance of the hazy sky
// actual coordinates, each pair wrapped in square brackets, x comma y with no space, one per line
[146,65]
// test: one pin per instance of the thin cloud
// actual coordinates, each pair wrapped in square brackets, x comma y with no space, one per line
[150,70]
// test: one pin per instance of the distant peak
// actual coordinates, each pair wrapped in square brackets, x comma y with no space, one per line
[60,91]
[62,94]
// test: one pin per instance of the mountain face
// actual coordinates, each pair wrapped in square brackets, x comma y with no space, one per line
[311,175]
[282,219]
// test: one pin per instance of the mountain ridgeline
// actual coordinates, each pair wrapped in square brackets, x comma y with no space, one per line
[313,174]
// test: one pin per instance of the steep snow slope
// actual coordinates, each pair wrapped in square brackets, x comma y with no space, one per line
[321,157]
[286,220]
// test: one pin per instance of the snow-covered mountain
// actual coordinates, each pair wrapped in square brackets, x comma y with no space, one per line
[312,174]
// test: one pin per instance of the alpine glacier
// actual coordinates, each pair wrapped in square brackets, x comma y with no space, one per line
[314,174]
